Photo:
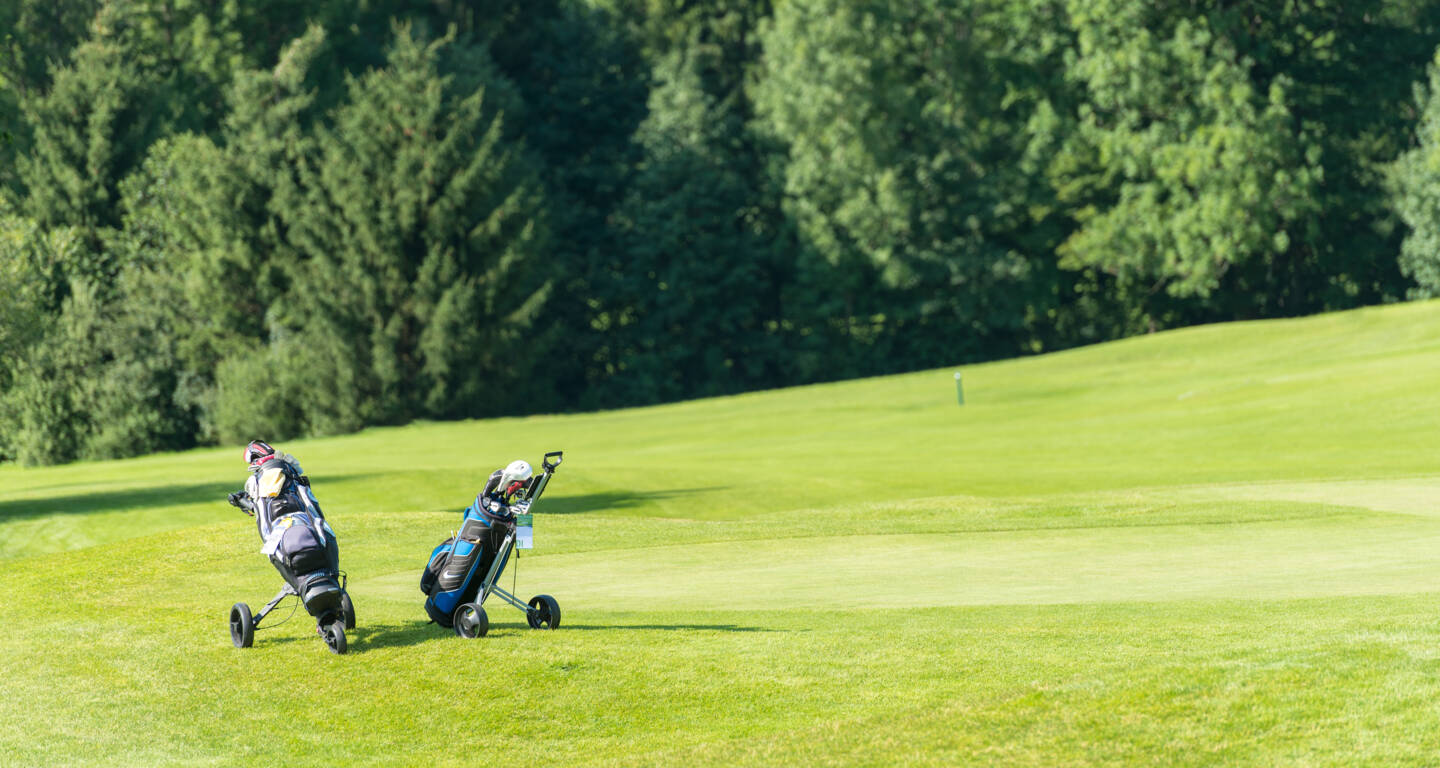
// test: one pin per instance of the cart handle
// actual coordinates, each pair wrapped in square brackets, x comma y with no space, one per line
[548,464]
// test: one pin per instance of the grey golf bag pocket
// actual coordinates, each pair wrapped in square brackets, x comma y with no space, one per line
[301,550]
[310,564]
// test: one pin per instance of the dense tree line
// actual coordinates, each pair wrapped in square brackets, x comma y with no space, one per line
[221,220]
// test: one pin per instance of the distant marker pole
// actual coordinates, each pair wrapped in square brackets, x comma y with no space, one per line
[959,389]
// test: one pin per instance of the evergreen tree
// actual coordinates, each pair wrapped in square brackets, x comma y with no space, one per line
[33,264]
[36,33]
[1416,178]
[691,263]
[89,130]
[702,251]
[1352,68]
[46,408]
[583,85]
[417,219]
[203,254]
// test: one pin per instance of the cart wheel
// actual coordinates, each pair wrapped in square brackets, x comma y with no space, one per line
[242,627]
[544,612]
[348,609]
[471,621]
[334,635]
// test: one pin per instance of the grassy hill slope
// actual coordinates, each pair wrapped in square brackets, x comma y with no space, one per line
[1209,546]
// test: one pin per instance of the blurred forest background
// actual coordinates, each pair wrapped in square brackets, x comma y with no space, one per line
[227,219]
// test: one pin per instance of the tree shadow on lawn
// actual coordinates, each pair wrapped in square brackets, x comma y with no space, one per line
[117,500]
[122,499]
[613,500]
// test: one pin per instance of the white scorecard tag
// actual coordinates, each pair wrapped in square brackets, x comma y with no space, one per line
[524,531]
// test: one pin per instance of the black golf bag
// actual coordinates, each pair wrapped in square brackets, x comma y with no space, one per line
[308,558]
[302,548]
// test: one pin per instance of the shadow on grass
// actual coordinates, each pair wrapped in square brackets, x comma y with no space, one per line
[117,500]
[364,638]
[122,499]
[612,500]
[670,627]
[261,639]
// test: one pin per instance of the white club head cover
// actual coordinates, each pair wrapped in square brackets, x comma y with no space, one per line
[516,471]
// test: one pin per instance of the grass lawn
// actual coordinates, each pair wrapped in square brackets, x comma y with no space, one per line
[1214,546]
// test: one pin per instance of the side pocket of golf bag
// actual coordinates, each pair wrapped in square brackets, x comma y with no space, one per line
[307,563]
[301,550]
[438,558]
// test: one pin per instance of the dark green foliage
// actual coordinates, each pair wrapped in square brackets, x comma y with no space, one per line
[287,217]
[94,387]
[146,70]
[94,377]
[282,390]
[583,83]
[46,408]
[138,401]
[700,251]
[909,174]
[88,131]
[417,221]
[202,239]
[1354,67]
[34,34]
[1234,156]
[1198,169]
[691,263]
[12,143]
[193,245]
[1417,194]
[44,342]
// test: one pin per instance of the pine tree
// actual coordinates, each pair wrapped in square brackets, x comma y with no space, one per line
[88,132]
[693,261]
[1416,184]
[417,218]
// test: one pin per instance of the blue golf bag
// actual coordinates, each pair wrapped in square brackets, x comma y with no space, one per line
[458,567]
[462,571]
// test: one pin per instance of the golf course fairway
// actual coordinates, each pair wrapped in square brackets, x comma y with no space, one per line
[1211,546]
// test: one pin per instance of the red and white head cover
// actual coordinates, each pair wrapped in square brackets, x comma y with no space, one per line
[258,452]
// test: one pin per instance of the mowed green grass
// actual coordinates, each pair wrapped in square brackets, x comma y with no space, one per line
[1215,546]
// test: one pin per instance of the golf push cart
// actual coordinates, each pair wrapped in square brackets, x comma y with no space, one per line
[334,613]
[462,571]
[303,549]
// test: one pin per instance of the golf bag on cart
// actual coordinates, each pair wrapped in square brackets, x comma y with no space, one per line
[462,571]
[303,549]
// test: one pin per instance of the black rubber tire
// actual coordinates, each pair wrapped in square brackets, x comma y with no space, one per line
[348,609]
[471,621]
[242,626]
[544,612]
[334,636]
